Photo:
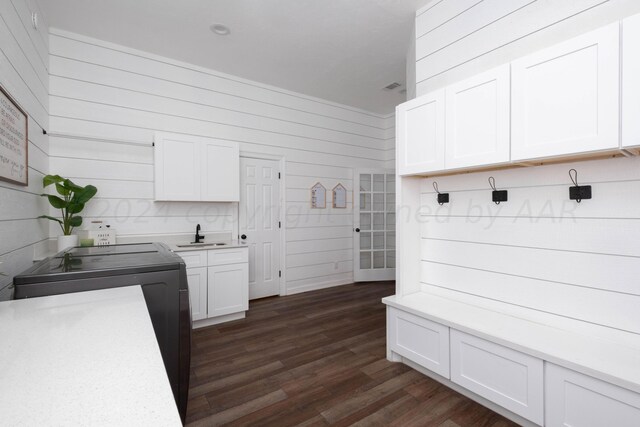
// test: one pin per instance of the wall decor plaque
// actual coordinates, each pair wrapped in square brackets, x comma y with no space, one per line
[318,196]
[339,196]
[14,143]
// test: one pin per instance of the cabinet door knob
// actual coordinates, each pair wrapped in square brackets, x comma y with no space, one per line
[357,230]
[243,237]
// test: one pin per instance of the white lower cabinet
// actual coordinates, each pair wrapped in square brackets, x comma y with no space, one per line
[228,289]
[577,400]
[420,340]
[218,283]
[506,377]
[197,282]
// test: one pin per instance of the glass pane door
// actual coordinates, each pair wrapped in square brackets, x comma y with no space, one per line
[375,223]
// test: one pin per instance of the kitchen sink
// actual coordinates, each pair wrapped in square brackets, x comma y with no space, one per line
[200,245]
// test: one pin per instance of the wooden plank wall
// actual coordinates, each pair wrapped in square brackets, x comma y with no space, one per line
[24,63]
[103,93]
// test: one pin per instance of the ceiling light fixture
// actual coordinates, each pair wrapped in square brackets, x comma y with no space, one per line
[220,29]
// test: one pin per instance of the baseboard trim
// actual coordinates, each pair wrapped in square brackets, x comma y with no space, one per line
[318,286]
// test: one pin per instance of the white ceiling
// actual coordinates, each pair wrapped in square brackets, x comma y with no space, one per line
[344,51]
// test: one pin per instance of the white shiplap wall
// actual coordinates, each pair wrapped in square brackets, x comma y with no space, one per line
[103,93]
[539,253]
[456,39]
[24,62]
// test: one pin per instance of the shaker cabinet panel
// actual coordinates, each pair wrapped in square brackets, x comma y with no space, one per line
[197,283]
[565,98]
[220,171]
[177,168]
[477,120]
[228,289]
[507,377]
[420,125]
[631,82]
[577,400]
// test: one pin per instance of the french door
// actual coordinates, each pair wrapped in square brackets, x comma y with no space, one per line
[374,221]
[259,224]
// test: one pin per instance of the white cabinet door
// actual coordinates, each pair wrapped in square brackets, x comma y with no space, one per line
[228,289]
[573,399]
[420,134]
[631,82]
[477,120]
[419,340]
[565,98]
[197,283]
[177,168]
[220,171]
[509,378]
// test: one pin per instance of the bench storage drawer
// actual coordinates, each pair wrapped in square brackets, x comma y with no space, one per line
[501,375]
[577,400]
[419,340]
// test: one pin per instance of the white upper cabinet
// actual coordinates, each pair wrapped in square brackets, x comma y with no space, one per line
[631,82]
[477,120]
[189,168]
[565,98]
[177,168]
[220,171]
[420,124]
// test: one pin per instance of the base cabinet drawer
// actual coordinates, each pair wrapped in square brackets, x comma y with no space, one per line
[577,400]
[194,259]
[228,256]
[506,377]
[419,340]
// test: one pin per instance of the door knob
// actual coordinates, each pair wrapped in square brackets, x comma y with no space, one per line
[357,230]
[243,237]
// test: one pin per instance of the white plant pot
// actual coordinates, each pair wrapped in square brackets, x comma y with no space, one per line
[65,242]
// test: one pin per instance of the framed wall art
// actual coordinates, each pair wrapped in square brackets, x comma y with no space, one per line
[14,141]
[339,196]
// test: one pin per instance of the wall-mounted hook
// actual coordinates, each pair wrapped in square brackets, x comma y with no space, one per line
[497,195]
[577,192]
[442,197]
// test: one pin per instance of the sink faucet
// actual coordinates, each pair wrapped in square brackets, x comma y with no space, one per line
[199,238]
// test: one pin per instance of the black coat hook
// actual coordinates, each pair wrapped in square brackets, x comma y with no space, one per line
[442,197]
[577,192]
[497,195]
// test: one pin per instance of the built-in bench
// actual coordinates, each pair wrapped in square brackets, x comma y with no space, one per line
[539,369]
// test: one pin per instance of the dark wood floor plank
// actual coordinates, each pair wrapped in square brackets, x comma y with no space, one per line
[317,359]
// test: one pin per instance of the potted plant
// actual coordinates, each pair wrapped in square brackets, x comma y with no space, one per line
[71,201]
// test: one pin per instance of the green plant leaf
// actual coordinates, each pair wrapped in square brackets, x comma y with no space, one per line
[73,187]
[55,201]
[85,194]
[75,221]
[75,207]
[51,218]
[62,190]
[47,180]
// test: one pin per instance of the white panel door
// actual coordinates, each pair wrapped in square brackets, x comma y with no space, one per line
[374,207]
[227,289]
[576,400]
[220,171]
[565,98]
[197,283]
[477,120]
[177,168]
[507,377]
[260,224]
[420,128]
[631,82]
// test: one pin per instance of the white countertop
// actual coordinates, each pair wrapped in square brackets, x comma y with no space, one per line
[228,244]
[87,358]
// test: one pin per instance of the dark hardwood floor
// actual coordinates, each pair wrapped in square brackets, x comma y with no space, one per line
[317,359]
